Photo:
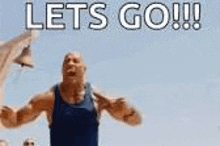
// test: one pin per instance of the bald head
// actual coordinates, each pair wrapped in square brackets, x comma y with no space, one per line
[3,142]
[29,142]
[77,55]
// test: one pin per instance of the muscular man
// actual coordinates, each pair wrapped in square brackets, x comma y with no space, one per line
[73,109]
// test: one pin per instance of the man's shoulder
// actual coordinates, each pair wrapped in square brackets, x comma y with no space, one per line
[46,96]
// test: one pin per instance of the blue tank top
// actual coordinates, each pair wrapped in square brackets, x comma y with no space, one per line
[74,125]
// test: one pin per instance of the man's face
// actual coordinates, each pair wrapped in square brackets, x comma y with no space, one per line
[73,66]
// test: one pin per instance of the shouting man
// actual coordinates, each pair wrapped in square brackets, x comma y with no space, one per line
[73,109]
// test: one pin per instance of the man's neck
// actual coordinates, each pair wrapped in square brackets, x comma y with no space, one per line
[73,87]
[72,93]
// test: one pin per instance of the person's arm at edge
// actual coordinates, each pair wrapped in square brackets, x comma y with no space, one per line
[11,118]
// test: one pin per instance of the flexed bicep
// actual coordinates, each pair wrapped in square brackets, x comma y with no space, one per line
[27,114]
[35,107]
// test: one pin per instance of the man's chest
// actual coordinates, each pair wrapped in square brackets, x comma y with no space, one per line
[66,107]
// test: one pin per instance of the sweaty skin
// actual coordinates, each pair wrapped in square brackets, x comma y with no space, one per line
[72,92]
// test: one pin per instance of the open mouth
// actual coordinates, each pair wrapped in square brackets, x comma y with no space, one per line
[71,73]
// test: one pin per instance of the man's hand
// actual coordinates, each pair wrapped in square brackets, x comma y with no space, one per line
[119,109]
[6,112]
[118,104]
[8,117]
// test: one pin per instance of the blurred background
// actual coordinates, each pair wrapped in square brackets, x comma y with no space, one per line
[171,76]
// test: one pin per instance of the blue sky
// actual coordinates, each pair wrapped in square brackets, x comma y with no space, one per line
[172,77]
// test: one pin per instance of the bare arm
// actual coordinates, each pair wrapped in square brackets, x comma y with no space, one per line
[11,118]
[119,109]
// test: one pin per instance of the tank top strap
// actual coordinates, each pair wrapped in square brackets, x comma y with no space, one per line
[88,88]
[57,92]
[56,102]
[89,97]
[88,91]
